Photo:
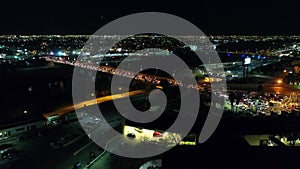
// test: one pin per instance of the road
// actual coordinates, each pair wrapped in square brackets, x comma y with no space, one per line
[120,72]
[280,89]
[111,161]
[269,88]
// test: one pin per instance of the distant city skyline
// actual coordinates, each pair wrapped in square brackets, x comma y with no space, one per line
[213,18]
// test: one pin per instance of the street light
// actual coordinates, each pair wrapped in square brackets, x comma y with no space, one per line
[279,81]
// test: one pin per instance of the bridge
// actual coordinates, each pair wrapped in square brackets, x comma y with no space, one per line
[67,109]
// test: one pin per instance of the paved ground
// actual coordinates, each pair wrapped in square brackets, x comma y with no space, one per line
[39,154]
[111,161]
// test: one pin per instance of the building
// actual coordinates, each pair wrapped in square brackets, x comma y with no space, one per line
[17,129]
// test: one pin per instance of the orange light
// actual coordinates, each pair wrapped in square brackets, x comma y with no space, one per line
[279,81]
[206,79]
[159,87]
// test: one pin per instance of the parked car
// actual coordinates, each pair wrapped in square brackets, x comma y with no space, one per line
[9,154]
[157,134]
[55,145]
[57,122]
[131,135]
[5,147]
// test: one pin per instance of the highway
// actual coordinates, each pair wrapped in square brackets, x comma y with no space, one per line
[120,72]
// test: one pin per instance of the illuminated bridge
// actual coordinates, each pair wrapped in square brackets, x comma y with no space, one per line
[67,109]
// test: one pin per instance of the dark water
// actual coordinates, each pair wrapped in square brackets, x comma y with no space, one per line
[30,92]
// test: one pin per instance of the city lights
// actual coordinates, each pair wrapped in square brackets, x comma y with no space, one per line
[38,75]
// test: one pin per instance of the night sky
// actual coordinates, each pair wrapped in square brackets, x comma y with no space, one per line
[255,17]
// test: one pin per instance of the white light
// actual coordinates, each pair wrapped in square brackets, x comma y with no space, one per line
[247,61]
[60,53]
